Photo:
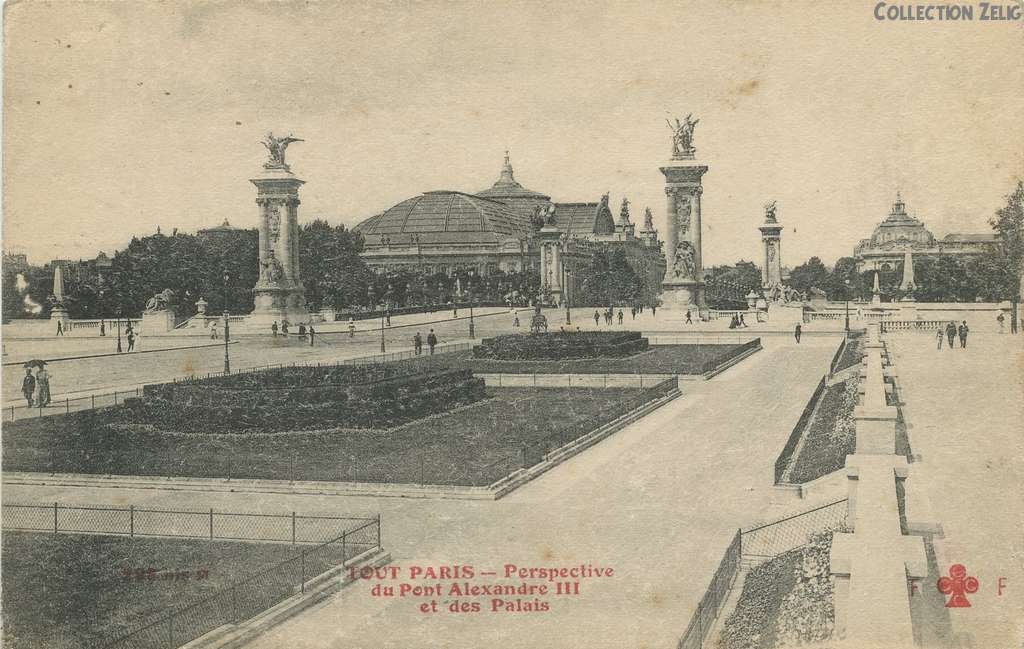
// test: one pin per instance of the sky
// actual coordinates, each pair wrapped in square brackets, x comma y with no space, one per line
[121,117]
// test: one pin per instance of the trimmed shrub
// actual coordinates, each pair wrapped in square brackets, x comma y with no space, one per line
[556,346]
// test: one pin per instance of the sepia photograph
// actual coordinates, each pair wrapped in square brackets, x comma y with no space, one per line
[442,324]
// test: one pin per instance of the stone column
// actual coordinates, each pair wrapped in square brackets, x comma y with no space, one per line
[279,294]
[683,285]
[771,237]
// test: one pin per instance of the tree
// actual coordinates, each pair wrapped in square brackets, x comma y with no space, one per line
[811,274]
[728,286]
[1009,227]
[843,283]
[610,280]
[333,273]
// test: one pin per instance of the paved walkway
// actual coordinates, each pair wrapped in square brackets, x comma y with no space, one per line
[658,501]
[966,411]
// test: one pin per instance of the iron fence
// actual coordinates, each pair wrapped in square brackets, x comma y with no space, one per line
[785,459]
[711,603]
[757,544]
[210,524]
[248,597]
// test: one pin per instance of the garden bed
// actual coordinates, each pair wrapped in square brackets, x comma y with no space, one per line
[64,591]
[830,436]
[658,359]
[474,445]
[786,601]
[557,346]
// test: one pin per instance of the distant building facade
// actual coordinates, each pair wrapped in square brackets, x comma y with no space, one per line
[901,233]
[499,229]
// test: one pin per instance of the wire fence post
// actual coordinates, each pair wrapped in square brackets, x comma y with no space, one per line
[293,528]
[211,523]
[131,521]
[54,518]
[302,577]
[344,553]
[378,531]
[93,397]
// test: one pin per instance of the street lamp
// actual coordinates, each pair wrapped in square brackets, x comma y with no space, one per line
[847,295]
[565,293]
[227,321]
[118,330]
[472,298]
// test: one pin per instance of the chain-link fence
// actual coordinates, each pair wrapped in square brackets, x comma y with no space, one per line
[757,544]
[774,538]
[252,595]
[206,524]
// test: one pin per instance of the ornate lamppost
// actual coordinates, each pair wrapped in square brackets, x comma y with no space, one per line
[846,294]
[227,324]
[566,274]
[118,330]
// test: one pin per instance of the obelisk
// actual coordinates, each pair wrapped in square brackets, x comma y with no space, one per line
[279,294]
[683,285]
[57,310]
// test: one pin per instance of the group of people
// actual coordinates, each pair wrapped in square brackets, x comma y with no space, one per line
[609,316]
[737,321]
[417,343]
[304,330]
[951,332]
[36,387]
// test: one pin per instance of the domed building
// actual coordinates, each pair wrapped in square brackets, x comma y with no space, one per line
[901,236]
[499,229]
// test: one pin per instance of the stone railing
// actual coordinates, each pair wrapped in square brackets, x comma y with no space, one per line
[876,566]
[930,326]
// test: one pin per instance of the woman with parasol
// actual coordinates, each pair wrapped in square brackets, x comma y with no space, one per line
[42,382]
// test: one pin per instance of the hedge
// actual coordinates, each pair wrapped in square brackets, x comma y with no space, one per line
[561,346]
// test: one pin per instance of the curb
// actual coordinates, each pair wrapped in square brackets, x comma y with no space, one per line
[733,361]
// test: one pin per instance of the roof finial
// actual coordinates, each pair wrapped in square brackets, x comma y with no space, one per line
[506,171]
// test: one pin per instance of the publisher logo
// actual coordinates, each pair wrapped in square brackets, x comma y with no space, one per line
[957,585]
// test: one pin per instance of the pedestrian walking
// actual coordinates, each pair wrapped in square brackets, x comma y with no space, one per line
[213,331]
[60,328]
[284,327]
[1001,319]
[42,388]
[654,310]
[632,311]
[431,341]
[951,333]
[963,331]
[417,344]
[351,328]
[312,334]
[103,328]
[387,317]
[742,322]
[798,332]
[597,318]
[620,316]
[938,338]
[515,323]
[28,386]
[273,328]
[689,318]
[131,340]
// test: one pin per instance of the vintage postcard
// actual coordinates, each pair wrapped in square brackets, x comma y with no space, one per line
[531,325]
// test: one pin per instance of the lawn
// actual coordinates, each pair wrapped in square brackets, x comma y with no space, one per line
[77,590]
[658,359]
[473,445]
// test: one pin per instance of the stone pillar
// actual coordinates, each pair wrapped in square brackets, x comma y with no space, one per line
[683,285]
[549,238]
[279,294]
[771,237]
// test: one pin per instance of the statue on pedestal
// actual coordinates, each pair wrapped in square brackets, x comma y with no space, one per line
[682,137]
[162,301]
[276,147]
